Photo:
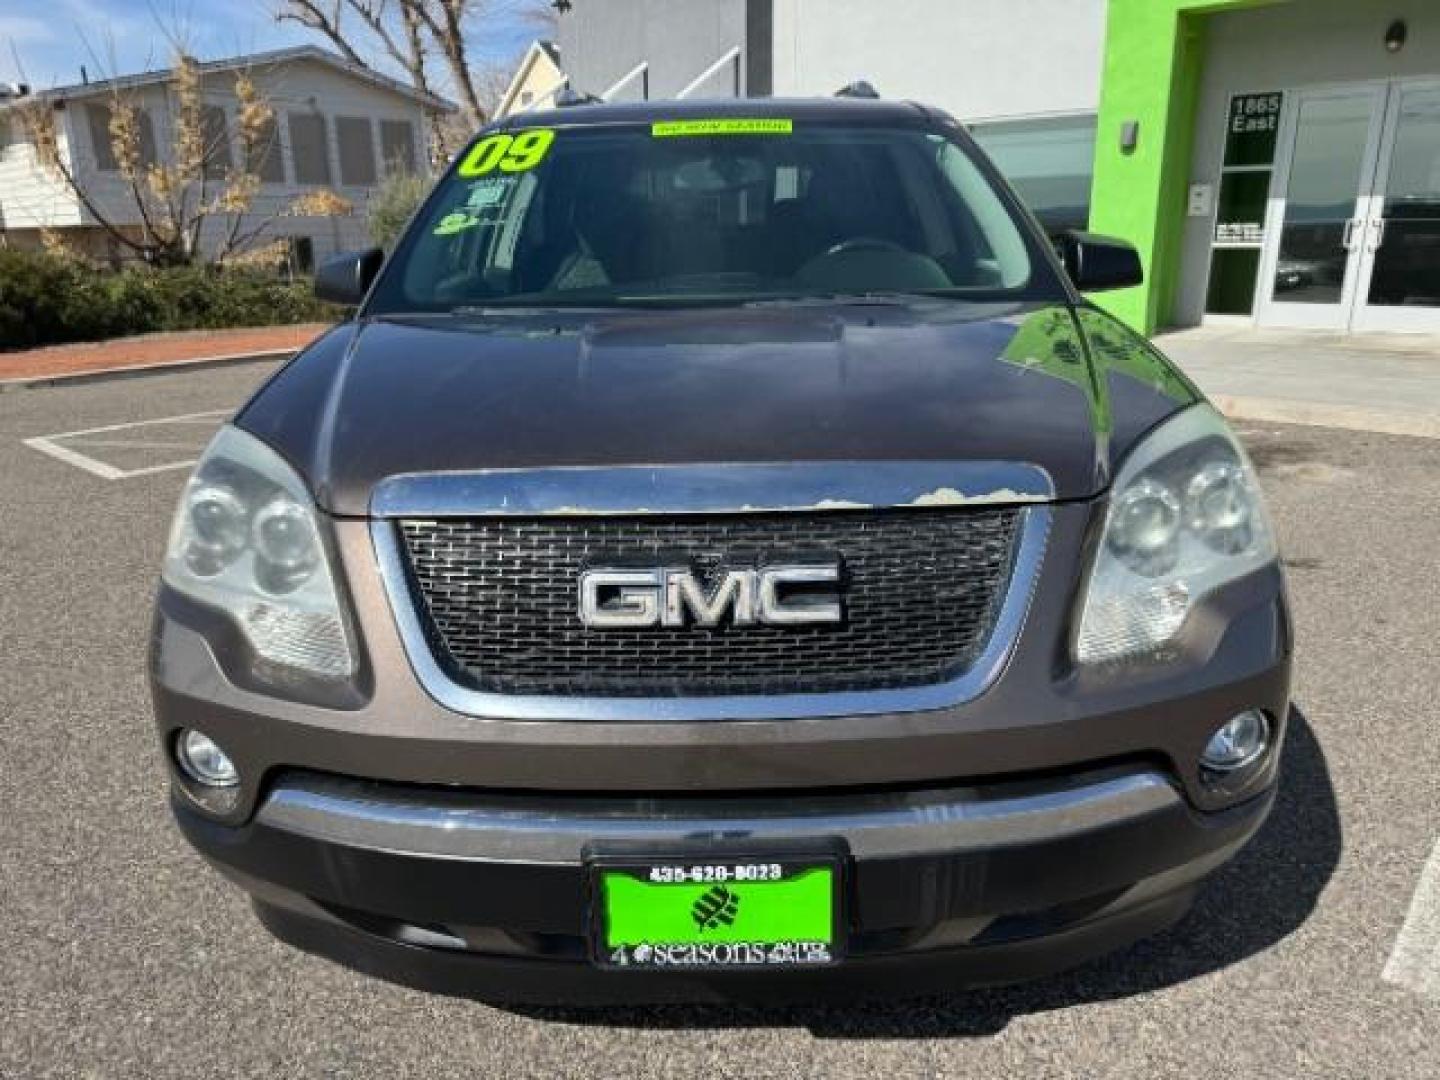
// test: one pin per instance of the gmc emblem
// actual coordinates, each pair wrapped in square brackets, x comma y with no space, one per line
[615,598]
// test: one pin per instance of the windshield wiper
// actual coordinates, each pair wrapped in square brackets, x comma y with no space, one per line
[526,305]
[877,298]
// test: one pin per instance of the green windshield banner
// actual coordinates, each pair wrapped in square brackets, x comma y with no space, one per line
[665,129]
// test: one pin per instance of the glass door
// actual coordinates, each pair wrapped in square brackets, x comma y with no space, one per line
[1399,285]
[1314,240]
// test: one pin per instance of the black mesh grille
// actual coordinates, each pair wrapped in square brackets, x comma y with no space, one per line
[920,589]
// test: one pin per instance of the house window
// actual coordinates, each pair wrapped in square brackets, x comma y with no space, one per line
[302,254]
[10,135]
[309,146]
[1050,163]
[397,146]
[264,158]
[148,155]
[215,131]
[97,117]
[357,151]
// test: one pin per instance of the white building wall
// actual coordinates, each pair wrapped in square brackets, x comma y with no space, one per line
[1286,47]
[977,59]
[601,42]
[29,197]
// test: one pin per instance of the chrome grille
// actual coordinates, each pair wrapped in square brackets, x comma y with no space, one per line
[499,600]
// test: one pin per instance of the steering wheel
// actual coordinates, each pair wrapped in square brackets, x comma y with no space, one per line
[864,243]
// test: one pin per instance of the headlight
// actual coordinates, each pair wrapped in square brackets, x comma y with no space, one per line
[1186,516]
[246,541]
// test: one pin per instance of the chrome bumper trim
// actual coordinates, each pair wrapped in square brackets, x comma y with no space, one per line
[347,812]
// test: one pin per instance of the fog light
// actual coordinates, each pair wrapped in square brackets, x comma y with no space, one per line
[1241,742]
[202,760]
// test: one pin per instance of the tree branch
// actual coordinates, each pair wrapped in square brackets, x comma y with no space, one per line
[415,33]
[450,37]
[310,14]
[373,13]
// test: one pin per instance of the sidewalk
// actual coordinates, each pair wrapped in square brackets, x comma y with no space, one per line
[1389,383]
[153,351]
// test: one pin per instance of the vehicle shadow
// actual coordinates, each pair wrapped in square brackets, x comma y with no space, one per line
[1253,903]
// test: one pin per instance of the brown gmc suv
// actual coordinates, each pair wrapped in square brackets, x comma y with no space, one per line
[724,555]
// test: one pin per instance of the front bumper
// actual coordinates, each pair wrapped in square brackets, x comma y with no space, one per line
[1057,815]
[461,892]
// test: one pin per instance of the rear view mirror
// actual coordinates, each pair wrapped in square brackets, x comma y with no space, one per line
[345,279]
[1096,263]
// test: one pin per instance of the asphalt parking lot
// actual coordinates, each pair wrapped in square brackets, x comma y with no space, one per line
[1317,953]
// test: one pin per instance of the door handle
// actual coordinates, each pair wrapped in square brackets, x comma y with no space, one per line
[1347,240]
[1378,240]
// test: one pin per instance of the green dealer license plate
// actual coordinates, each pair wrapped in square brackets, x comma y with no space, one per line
[716,912]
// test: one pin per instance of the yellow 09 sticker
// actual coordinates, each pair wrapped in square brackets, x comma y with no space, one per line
[508,153]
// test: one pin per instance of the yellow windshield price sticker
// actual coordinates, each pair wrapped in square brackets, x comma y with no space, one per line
[668,129]
[510,153]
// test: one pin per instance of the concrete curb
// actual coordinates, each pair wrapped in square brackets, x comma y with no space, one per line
[130,371]
[1320,414]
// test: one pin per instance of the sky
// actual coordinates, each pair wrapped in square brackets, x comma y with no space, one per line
[44,42]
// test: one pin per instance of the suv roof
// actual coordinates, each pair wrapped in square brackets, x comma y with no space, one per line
[864,110]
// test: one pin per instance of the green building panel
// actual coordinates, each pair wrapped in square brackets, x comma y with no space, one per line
[1154,56]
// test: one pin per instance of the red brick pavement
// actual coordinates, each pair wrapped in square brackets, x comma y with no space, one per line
[154,349]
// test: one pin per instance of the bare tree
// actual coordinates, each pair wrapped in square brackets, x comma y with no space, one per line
[417,36]
[491,81]
[174,194]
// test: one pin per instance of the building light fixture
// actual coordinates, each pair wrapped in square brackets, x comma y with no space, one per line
[1395,36]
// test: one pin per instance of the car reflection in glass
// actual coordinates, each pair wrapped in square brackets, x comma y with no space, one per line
[1296,274]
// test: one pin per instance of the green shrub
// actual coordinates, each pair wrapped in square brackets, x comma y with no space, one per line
[45,300]
[38,300]
[391,207]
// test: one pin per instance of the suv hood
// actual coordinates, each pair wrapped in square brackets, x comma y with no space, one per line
[1065,390]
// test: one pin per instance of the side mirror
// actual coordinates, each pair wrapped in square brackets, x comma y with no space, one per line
[1096,263]
[346,278]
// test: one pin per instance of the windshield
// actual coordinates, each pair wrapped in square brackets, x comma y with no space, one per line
[714,211]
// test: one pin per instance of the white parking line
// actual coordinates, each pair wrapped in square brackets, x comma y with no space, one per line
[1415,960]
[80,461]
[52,445]
[150,470]
[182,418]
[126,444]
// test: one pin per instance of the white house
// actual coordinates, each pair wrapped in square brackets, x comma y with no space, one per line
[337,126]
[536,81]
